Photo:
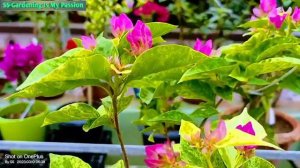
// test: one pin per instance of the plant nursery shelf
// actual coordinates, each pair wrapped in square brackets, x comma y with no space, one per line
[133,150]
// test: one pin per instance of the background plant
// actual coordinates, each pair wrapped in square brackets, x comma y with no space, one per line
[51,30]
[98,13]
[262,66]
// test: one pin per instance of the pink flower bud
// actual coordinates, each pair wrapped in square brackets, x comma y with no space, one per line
[296,14]
[205,48]
[140,38]
[88,42]
[120,24]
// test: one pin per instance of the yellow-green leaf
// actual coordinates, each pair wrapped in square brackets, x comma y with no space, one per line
[236,137]
[243,119]
[188,128]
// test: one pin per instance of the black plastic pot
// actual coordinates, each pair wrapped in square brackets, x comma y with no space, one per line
[159,138]
[173,136]
[73,132]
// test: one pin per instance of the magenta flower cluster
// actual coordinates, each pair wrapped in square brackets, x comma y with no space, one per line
[20,60]
[138,36]
[162,155]
[204,47]
[276,15]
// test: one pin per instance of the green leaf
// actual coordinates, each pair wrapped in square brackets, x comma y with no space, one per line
[173,116]
[72,112]
[104,118]
[257,162]
[204,111]
[124,102]
[196,89]
[54,77]
[225,92]
[276,49]
[272,65]
[192,155]
[119,164]
[105,46]
[292,82]
[217,160]
[158,40]
[146,94]
[258,81]
[66,161]
[258,23]
[165,62]
[159,29]
[207,69]
[50,65]
[229,155]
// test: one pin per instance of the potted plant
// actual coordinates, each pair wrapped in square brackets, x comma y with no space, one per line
[133,58]
[22,122]
[261,67]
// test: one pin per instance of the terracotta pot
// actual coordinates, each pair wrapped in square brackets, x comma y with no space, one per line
[287,128]
[286,139]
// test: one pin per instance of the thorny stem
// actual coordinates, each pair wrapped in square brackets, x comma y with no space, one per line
[117,127]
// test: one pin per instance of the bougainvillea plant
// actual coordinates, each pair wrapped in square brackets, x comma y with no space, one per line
[136,58]
[19,60]
[133,58]
[259,68]
[232,144]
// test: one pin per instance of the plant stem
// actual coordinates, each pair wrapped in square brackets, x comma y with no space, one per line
[117,127]
[276,81]
[90,95]
[210,165]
